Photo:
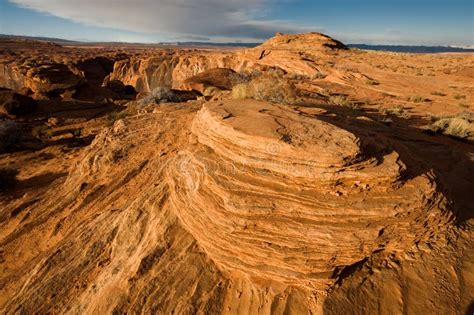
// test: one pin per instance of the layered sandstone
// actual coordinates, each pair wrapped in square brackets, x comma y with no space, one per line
[169,69]
[44,68]
[235,207]
[302,197]
[291,53]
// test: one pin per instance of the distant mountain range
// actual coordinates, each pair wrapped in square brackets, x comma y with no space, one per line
[392,48]
[59,41]
[412,49]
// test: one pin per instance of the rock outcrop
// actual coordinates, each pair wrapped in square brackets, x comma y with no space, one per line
[49,68]
[218,78]
[51,78]
[308,42]
[304,198]
[237,207]
[296,54]
[168,69]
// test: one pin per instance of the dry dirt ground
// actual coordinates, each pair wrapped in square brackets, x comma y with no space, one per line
[326,196]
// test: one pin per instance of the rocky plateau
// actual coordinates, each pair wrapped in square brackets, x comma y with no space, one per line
[296,177]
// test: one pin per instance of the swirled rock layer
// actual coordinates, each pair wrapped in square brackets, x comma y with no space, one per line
[233,207]
[286,197]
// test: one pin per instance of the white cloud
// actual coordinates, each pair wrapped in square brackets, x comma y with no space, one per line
[238,19]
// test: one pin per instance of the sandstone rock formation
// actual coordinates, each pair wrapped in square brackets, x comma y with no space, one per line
[330,195]
[237,207]
[169,69]
[51,78]
[45,68]
[290,53]
[303,42]
[219,78]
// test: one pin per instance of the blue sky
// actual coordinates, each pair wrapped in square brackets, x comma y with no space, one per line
[375,22]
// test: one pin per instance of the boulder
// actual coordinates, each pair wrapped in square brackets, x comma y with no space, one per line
[220,78]
[122,90]
[51,78]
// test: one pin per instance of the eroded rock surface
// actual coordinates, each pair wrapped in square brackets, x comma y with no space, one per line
[235,207]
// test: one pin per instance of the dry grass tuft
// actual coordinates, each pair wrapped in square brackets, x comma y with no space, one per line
[397,110]
[460,126]
[418,99]
[319,76]
[459,97]
[371,82]
[267,88]
[341,100]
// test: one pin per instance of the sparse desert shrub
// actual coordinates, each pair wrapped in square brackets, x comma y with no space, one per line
[243,77]
[42,132]
[437,93]
[459,97]
[397,110]
[325,92]
[159,95]
[7,178]
[417,99]
[341,100]
[463,105]
[76,133]
[319,76]
[267,88]
[10,134]
[241,91]
[296,76]
[371,82]
[113,117]
[460,126]
[275,72]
